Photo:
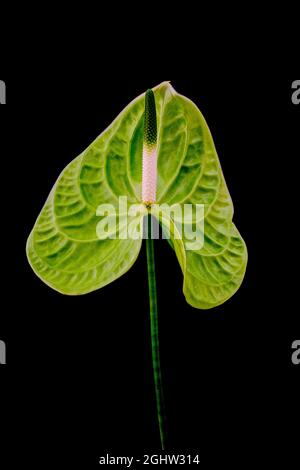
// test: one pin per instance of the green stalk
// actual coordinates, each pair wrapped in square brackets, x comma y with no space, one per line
[154,337]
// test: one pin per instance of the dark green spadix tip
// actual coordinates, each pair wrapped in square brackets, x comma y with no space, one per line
[150,124]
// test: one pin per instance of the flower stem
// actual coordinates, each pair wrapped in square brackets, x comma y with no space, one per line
[154,336]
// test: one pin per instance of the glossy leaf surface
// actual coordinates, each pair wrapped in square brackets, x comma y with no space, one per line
[63,248]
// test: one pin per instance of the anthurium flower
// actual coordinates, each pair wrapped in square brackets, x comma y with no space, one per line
[156,160]
[172,163]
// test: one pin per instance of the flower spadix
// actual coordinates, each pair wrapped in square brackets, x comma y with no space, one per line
[149,151]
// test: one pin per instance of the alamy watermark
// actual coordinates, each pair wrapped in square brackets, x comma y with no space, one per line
[2,352]
[296,92]
[296,353]
[2,92]
[128,221]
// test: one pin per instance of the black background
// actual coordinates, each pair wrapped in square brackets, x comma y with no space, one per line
[78,380]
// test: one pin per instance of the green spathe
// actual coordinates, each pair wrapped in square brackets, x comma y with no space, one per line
[63,248]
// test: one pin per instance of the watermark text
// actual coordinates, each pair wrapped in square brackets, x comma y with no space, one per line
[296,92]
[296,353]
[129,221]
[2,352]
[2,92]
